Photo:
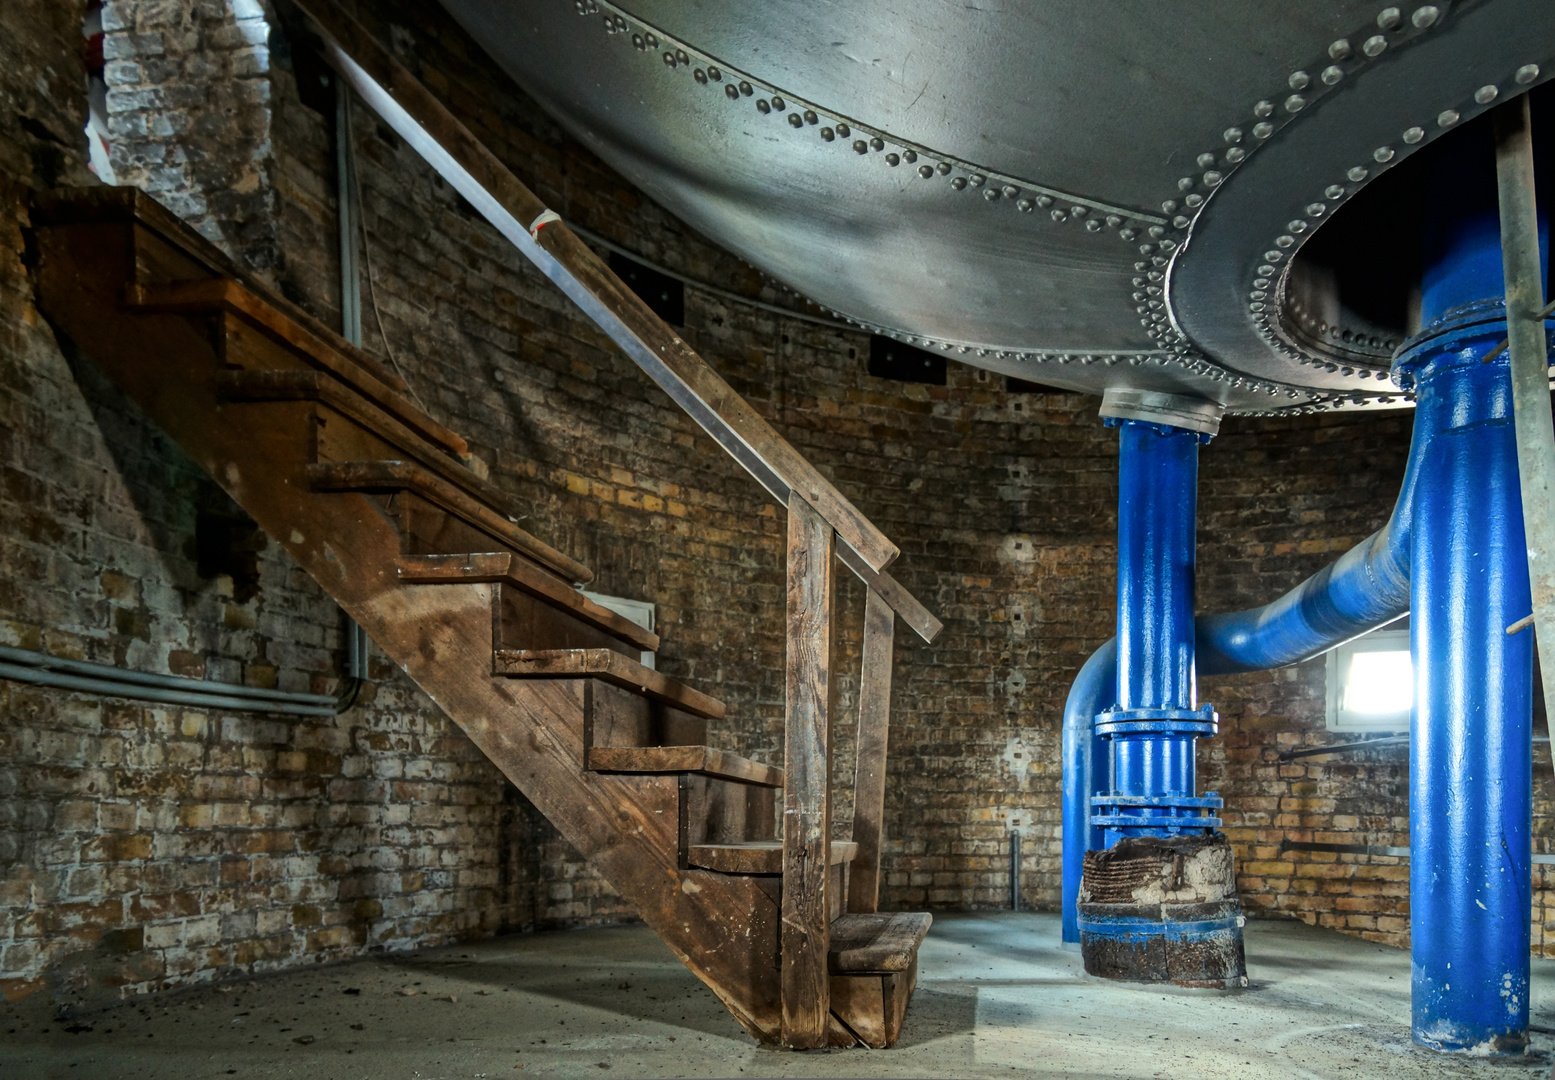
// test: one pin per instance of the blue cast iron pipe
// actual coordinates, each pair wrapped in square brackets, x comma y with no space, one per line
[1158,471]
[1153,729]
[1470,762]
[1366,588]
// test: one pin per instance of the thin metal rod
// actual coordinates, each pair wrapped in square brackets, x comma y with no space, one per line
[1341,748]
[40,669]
[713,290]
[1014,870]
[346,206]
[1365,744]
[1525,312]
[1548,310]
[1369,849]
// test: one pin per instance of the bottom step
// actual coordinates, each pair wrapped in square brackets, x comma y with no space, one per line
[873,943]
[874,965]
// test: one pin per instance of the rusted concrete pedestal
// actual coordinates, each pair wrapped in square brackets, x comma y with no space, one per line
[1163,909]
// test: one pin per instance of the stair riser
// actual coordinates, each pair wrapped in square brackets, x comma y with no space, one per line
[617,717]
[523,621]
[716,811]
[430,530]
[870,1007]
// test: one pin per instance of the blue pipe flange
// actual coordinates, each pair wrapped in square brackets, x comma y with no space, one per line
[1210,800]
[1188,817]
[1461,328]
[1138,928]
[1200,722]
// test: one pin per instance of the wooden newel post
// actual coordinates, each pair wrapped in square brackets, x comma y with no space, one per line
[806,937]
[874,721]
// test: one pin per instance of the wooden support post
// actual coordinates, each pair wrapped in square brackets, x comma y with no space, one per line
[874,721]
[806,938]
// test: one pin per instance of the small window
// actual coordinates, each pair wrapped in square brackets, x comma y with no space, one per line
[1371,683]
[904,363]
[665,295]
[640,612]
[96,95]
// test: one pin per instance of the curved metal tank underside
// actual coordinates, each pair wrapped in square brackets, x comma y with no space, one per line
[1106,193]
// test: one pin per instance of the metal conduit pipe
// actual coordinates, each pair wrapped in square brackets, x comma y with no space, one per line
[81,676]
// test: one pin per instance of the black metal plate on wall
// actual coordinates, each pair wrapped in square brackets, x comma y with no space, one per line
[1012,385]
[665,295]
[904,363]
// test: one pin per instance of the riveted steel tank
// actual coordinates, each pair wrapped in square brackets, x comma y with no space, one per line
[1089,195]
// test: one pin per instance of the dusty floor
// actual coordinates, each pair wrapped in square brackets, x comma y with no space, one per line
[997,997]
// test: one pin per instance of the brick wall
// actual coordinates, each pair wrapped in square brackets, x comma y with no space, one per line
[189,116]
[145,846]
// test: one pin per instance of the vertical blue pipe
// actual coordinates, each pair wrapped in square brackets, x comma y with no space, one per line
[1155,725]
[1158,490]
[1470,802]
[1470,789]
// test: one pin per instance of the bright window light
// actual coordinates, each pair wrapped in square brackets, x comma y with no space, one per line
[1371,683]
[1379,682]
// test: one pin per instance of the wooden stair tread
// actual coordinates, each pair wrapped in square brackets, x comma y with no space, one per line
[316,345]
[414,438]
[877,942]
[125,205]
[611,666]
[415,477]
[756,856]
[508,569]
[678,759]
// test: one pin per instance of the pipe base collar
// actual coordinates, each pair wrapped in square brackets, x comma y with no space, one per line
[1163,909]
[1170,410]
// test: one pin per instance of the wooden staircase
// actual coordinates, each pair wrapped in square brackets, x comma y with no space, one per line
[318,442]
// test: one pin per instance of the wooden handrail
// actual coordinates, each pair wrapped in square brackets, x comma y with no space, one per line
[895,595]
[418,117]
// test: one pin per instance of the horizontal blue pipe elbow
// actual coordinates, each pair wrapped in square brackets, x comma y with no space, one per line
[1367,587]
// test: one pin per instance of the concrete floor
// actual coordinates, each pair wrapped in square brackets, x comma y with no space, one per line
[996,997]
